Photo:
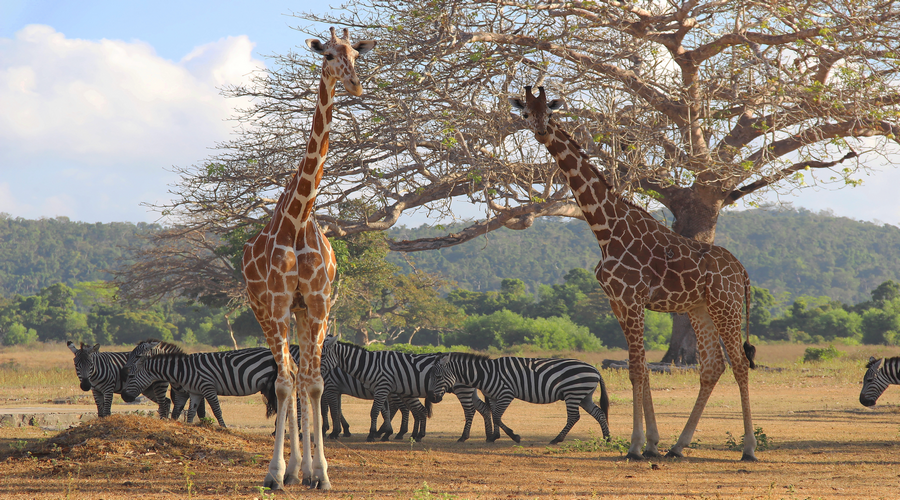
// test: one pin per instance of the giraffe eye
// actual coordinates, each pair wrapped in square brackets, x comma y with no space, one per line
[525,115]
[329,57]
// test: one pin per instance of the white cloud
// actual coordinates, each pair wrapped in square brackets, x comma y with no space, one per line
[90,115]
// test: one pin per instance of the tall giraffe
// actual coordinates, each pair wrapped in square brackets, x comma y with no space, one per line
[645,265]
[289,267]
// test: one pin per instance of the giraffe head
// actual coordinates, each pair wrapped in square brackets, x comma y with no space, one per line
[536,111]
[340,58]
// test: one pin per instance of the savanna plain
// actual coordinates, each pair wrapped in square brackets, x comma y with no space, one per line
[816,441]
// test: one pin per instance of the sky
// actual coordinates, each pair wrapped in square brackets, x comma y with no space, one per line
[99,100]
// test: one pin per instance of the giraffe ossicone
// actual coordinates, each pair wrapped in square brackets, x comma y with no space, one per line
[645,265]
[289,268]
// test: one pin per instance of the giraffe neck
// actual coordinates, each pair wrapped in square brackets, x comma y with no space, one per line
[600,205]
[299,198]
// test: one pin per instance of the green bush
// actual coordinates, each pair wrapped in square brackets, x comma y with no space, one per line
[19,335]
[821,354]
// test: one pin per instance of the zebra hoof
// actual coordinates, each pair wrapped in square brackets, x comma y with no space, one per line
[556,441]
[462,439]
[399,437]
[516,438]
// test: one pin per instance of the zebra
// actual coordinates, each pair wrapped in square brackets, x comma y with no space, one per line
[338,383]
[152,347]
[100,372]
[880,374]
[386,372]
[208,375]
[535,380]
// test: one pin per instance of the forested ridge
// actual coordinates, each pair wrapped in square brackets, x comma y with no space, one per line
[797,252]
[787,251]
[35,254]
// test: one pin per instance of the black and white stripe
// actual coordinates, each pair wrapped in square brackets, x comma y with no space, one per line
[387,372]
[100,372]
[880,374]
[535,380]
[153,347]
[208,375]
[337,383]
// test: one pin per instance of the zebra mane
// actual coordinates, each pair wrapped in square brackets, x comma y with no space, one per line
[467,356]
[872,362]
[163,347]
[351,345]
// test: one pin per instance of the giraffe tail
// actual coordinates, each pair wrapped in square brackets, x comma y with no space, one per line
[749,349]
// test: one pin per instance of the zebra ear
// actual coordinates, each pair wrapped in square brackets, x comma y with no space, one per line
[71,346]
[96,348]
[444,360]
[154,343]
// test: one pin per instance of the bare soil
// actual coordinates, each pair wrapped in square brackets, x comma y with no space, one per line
[819,443]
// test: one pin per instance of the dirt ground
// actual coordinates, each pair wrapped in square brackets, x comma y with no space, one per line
[819,443]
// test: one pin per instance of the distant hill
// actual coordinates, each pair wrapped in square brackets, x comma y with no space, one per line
[794,251]
[35,254]
[785,250]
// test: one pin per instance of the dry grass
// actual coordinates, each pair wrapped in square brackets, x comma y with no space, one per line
[821,444]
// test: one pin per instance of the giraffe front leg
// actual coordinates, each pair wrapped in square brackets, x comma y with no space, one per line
[319,478]
[651,449]
[284,388]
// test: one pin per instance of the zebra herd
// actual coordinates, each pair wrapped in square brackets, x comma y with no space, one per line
[394,381]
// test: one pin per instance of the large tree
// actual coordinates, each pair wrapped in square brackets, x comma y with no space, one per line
[693,105]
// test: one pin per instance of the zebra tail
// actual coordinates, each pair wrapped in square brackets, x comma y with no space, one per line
[271,398]
[604,398]
[749,349]
[427,408]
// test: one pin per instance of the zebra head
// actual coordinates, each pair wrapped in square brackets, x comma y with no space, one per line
[330,355]
[149,347]
[441,379]
[139,378]
[84,363]
[875,381]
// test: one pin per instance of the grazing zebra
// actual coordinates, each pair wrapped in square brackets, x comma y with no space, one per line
[152,347]
[338,383]
[386,372]
[208,375]
[535,380]
[880,374]
[100,372]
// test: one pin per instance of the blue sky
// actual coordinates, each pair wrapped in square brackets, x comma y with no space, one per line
[100,99]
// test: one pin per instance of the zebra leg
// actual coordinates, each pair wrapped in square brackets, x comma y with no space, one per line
[573,414]
[595,411]
[213,399]
[378,407]
[498,409]
[156,392]
[107,403]
[484,408]
[420,415]
[99,400]
[192,407]
[396,404]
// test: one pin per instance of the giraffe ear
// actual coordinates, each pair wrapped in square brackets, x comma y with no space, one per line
[315,45]
[516,103]
[555,104]
[364,46]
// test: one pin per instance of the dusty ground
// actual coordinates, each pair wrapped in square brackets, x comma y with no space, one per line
[821,444]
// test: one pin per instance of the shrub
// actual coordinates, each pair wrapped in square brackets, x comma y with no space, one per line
[821,354]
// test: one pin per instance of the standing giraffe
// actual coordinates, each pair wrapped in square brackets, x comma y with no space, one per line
[289,267]
[646,265]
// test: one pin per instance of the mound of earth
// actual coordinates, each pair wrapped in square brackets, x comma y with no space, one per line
[123,437]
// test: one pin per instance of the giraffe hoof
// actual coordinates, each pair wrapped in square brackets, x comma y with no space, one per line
[674,454]
[634,456]
[650,454]
[748,458]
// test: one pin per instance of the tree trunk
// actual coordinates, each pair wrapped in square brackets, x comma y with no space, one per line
[683,345]
[696,212]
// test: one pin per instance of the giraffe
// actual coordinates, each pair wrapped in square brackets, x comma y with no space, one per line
[645,265]
[289,268]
